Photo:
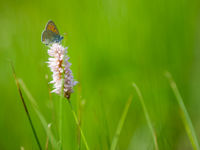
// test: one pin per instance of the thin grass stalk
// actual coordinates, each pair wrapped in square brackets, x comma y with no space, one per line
[184,114]
[39,114]
[47,143]
[153,133]
[26,109]
[60,118]
[79,116]
[77,122]
[47,139]
[78,130]
[120,124]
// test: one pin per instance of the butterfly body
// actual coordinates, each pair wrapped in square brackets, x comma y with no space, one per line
[51,34]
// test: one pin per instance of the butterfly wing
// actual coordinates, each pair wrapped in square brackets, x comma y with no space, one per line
[45,37]
[52,27]
[49,37]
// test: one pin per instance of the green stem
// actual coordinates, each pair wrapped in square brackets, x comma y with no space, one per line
[60,118]
[77,122]
[120,124]
[147,116]
[184,114]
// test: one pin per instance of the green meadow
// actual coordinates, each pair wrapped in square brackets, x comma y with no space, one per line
[138,67]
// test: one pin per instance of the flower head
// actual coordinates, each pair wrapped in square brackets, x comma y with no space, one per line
[60,67]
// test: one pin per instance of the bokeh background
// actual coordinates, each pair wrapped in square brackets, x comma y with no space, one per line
[112,43]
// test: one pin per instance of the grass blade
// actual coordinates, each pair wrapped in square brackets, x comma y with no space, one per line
[77,122]
[39,114]
[184,114]
[147,116]
[47,140]
[25,107]
[120,124]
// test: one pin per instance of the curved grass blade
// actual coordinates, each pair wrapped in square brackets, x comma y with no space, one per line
[184,114]
[39,114]
[26,109]
[77,123]
[147,116]
[47,140]
[120,124]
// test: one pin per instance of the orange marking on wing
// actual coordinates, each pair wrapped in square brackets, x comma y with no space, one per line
[52,28]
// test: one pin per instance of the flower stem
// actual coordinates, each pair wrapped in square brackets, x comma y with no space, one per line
[60,119]
[77,122]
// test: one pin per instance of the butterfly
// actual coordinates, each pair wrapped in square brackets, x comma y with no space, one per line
[51,34]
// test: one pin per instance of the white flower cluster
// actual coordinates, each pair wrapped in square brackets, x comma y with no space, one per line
[60,67]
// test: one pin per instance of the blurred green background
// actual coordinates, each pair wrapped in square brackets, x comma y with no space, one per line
[112,43]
